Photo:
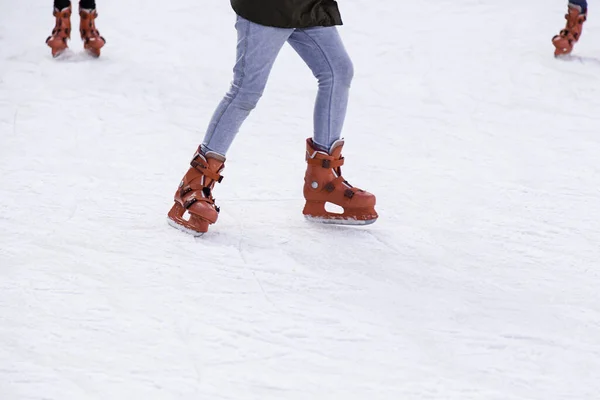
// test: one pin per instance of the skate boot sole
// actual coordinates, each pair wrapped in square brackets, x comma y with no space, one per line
[339,221]
[94,46]
[58,53]
[195,225]
[562,46]
[183,229]
[315,211]
[57,47]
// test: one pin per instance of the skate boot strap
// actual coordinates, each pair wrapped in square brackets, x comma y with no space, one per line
[339,181]
[328,162]
[565,33]
[193,198]
[202,166]
[192,187]
[578,20]
[575,15]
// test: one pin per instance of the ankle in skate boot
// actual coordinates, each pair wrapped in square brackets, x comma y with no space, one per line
[566,39]
[92,41]
[194,209]
[61,32]
[323,183]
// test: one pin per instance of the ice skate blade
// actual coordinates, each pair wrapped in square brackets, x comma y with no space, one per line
[57,52]
[183,229]
[339,221]
[93,46]
[92,53]
[563,56]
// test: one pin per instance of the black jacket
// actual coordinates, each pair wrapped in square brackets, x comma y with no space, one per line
[289,13]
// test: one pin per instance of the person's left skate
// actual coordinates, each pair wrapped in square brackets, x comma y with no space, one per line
[566,39]
[92,41]
[323,183]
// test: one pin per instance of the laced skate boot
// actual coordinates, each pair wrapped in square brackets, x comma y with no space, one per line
[92,41]
[194,207]
[61,32]
[323,183]
[567,38]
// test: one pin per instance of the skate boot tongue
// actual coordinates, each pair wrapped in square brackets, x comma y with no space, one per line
[215,161]
[336,148]
[575,7]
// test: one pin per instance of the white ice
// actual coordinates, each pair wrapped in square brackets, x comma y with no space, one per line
[480,280]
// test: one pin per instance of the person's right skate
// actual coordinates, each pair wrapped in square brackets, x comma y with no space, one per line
[566,39]
[61,32]
[194,208]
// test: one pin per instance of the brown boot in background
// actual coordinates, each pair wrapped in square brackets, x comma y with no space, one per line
[61,32]
[194,209]
[92,41]
[566,39]
[323,183]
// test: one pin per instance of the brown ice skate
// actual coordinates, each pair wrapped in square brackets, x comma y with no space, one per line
[92,41]
[323,183]
[61,32]
[194,209]
[566,39]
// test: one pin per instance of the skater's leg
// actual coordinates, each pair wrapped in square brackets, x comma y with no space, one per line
[323,51]
[257,49]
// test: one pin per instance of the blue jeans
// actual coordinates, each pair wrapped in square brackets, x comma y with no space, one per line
[322,50]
